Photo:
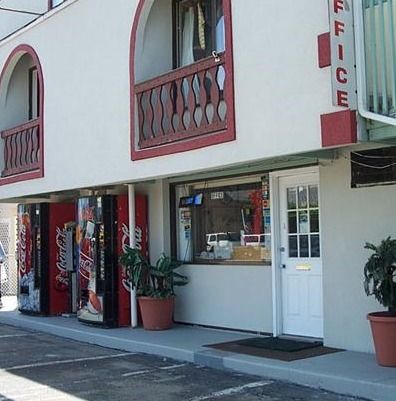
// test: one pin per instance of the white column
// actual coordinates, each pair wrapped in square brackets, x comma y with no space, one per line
[132,243]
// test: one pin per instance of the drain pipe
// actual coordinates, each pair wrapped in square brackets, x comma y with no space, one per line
[132,244]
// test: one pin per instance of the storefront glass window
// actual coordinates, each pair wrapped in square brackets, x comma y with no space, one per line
[224,222]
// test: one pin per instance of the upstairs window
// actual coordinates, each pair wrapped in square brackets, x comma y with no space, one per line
[199,30]
[54,3]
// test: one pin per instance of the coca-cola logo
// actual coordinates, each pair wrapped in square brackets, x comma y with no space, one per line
[62,279]
[85,266]
[126,284]
[124,244]
[125,237]
[22,249]
[138,238]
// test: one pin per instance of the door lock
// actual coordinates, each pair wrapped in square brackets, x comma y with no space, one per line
[283,266]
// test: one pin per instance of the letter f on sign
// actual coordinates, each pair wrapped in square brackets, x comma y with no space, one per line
[338,5]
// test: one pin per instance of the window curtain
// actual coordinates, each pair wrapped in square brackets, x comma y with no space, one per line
[187,56]
[220,47]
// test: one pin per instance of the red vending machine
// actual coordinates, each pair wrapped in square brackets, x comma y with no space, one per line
[102,231]
[42,276]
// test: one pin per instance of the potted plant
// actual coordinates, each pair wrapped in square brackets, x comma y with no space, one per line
[380,281]
[154,287]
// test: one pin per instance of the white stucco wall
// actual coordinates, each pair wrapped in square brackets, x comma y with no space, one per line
[235,297]
[350,217]
[280,92]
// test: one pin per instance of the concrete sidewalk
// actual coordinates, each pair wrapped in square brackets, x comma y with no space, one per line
[349,373]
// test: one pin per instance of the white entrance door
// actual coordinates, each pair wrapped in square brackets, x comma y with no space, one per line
[301,264]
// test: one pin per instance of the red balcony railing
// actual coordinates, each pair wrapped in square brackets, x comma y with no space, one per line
[21,148]
[184,103]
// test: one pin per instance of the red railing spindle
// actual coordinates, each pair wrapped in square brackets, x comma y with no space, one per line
[159,112]
[215,95]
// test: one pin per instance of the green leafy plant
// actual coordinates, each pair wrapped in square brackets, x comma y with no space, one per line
[380,273]
[156,281]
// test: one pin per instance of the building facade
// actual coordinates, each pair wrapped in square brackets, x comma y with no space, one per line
[261,137]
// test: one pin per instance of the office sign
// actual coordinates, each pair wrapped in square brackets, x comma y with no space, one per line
[342,53]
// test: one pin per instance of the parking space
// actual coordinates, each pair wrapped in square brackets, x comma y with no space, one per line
[37,366]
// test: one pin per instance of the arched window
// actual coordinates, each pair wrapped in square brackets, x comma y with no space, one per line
[181,68]
[21,125]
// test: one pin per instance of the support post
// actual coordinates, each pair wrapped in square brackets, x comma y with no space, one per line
[132,244]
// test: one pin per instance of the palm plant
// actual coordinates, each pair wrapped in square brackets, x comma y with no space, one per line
[135,265]
[153,281]
[380,273]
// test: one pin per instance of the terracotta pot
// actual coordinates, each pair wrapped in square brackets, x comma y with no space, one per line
[383,327]
[157,314]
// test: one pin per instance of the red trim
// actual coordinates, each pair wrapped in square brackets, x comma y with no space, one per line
[196,142]
[324,50]
[339,128]
[24,48]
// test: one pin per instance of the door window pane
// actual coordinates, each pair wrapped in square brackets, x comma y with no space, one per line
[291,198]
[315,246]
[314,220]
[302,197]
[304,246]
[303,222]
[292,222]
[293,249]
[313,196]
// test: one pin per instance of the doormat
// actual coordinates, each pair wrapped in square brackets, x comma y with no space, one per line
[275,348]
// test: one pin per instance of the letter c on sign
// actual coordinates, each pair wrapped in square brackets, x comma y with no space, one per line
[341,75]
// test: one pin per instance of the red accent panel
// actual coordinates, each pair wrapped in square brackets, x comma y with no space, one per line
[19,51]
[339,128]
[324,51]
[59,214]
[196,142]
[141,236]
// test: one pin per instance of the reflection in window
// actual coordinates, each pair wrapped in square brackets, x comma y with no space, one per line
[200,29]
[231,225]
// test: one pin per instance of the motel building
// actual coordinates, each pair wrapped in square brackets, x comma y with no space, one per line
[254,144]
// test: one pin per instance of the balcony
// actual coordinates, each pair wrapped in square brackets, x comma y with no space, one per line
[376,63]
[21,149]
[21,123]
[184,103]
[182,93]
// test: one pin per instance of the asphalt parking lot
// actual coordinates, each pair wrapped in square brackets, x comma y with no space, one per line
[37,367]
